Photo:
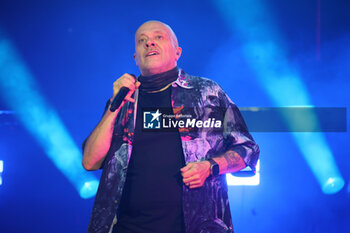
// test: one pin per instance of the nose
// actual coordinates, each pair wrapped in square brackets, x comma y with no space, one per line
[150,43]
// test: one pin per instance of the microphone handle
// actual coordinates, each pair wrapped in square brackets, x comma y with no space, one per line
[118,99]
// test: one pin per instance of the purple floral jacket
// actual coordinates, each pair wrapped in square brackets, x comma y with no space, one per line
[206,209]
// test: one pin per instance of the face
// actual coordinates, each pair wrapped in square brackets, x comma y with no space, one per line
[156,48]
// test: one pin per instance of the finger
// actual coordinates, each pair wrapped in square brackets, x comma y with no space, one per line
[192,182]
[131,87]
[128,96]
[190,172]
[195,186]
[122,81]
[191,179]
[196,182]
[186,168]
[127,84]
[129,77]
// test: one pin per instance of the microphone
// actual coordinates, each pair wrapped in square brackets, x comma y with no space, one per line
[118,99]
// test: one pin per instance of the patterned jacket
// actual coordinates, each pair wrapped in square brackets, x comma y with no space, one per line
[206,209]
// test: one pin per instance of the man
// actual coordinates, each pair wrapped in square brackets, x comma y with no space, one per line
[160,181]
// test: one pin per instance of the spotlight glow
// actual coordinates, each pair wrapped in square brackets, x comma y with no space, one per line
[89,189]
[20,92]
[249,181]
[264,51]
[333,185]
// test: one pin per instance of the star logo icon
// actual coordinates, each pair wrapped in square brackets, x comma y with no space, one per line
[156,115]
[151,119]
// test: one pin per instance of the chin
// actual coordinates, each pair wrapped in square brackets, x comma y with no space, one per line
[154,69]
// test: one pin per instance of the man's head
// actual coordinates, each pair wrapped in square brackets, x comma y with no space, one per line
[156,48]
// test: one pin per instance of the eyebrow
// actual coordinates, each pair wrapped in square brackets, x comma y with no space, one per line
[157,31]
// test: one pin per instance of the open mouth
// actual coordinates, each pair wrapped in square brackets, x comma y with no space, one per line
[152,53]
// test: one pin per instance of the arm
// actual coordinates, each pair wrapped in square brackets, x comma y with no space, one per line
[194,174]
[241,150]
[99,141]
[229,162]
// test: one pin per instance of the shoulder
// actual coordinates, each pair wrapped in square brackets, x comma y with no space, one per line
[207,88]
[197,82]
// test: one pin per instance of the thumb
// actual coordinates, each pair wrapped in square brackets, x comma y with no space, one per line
[137,85]
[127,98]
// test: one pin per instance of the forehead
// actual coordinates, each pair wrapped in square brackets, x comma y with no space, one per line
[152,27]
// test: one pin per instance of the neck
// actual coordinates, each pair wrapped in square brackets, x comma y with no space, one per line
[158,82]
[154,71]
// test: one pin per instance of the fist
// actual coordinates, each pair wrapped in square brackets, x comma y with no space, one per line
[126,80]
[194,174]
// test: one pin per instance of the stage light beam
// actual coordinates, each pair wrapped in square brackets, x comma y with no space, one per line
[263,48]
[20,92]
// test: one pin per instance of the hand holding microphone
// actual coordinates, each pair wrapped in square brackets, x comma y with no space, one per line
[123,88]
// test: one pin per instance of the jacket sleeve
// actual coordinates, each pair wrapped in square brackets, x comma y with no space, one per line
[236,135]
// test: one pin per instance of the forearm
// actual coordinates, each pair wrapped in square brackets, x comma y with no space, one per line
[194,174]
[230,162]
[99,142]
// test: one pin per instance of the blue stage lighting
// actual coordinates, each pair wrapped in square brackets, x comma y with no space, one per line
[245,181]
[263,48]
[320,160]
[1,170]
[89,188]
[20,92]
[333,185]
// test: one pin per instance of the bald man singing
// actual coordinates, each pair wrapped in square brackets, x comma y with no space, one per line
[166,181]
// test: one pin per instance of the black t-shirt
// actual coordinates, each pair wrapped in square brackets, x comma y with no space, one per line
[152,195]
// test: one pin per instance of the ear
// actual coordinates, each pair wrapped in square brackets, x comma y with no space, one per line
[134,56]
[178,52]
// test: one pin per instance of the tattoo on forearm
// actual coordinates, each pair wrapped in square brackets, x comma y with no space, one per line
[233,160]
